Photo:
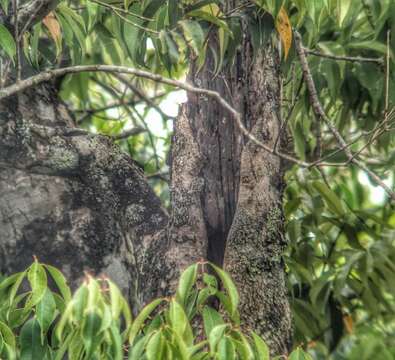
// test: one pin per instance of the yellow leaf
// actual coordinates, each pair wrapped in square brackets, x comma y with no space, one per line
[283,26]
[54,28]
[348,323]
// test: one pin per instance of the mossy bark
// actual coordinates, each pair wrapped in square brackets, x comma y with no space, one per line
[239,199]
[72,199]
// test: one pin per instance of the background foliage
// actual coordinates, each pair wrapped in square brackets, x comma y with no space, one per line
[96,323]
[340,224]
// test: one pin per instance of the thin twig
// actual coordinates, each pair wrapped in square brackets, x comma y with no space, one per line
[142,96]
[319,111]
[379,61]
[285,122]
[150,138]
[128,133]
[164,176]
[121,10]
[134,24]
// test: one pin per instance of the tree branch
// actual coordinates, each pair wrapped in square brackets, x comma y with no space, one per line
[51,74]
[319,111]
[143,96]
[379,61]
[127,133]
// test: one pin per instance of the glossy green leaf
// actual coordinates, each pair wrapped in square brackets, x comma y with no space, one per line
[45,311]
[141,318]
[7,42]
[30,341]
[334,203]
[230,288]
[299,354]
[60,282]
[187,280]
[261,348]
[38,282]
[193,34]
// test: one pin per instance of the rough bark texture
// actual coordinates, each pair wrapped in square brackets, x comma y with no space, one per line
[256,240]
[73,199]
[227,191]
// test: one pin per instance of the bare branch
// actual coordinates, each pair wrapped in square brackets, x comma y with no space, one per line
[319,111]
[379,61]
[116,104]
[128,133]
[142,96]
[51,74]
[164,176]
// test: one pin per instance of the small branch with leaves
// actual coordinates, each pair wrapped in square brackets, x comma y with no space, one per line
[319,111]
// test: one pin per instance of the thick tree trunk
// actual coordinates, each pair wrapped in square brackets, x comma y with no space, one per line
[72,199]
[231,197]
[256,240]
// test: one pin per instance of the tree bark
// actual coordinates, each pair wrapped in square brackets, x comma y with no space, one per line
[256,239]
[237,188]
[72,199]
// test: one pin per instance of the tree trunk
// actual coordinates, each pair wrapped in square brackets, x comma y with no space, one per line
[227,191]
[76,201]
[72,199]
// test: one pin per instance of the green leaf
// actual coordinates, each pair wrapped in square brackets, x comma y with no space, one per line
[299,140]
[7,42]
[7,334]
[215,336]
[261,348]
[174,12]
[299,354]
[242,345]
[2,344]
[30,341]
[330,197]
[137,350]
[60,282]
[90,331]
[155,346]
[172,48]
[369,45]
[38,282]
[185,284]
[141,318]
[179,322]
[180,348]
[45,311]
[230,288]
[79,303]
[211,14]
[226,349]
[211,319]
[193,34]
[4,4]
[116,300]
[116,343]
